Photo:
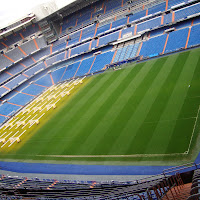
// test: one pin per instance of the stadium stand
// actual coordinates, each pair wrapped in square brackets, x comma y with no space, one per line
[89,41]
[84,66]
[139,28]
[22,98]
[18,36]
[176,40]
[153,46]
[195,192]
[33,89]
[173,183]
[194,39]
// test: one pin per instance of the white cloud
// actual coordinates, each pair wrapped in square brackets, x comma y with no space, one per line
[11,10]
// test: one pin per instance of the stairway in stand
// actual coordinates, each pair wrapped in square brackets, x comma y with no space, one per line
[179,193]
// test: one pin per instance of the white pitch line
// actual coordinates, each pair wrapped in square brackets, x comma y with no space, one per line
[193,131]
[113,156]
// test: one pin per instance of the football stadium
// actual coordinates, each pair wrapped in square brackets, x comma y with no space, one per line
[100,99]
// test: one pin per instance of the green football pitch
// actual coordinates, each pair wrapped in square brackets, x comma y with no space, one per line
[145,111]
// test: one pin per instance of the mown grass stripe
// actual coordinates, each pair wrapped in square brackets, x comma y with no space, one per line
[48,133]
[173,107]
[181,133]
[141,108]
[150,106]
[160,105]
[114,107]
[95,113]
[116,131]
[145,109]
[78,120]
[72,120]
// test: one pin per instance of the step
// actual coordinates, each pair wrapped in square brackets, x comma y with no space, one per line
[182,195]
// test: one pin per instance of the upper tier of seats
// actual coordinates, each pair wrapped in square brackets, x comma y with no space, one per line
[19,53]
[18,36]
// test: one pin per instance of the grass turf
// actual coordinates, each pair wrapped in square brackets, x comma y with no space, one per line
[143,109]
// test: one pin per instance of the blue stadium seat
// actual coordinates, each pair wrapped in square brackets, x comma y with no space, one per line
[167,18]
[21,99]
[153,23]
[27,61]
[80,49]
[45,81]
[176,40]
[102,60]
[59,47]
[15,69]
[51,60]
[70,71]
[29,47]
[4,62]
[8,109]
[117,56]
[4,76]
[134,50]
[57,74]
[128,30]
[30,30]
[197,20]
[108,38]
[157,8]
[153,46]
[60,56]
[33,89]
[15,54]
[137,16]
[85,66]
[16,81]
[102,29]
[128,52]
[43,52]
[123,52]
[33,70]
[119,22]
[2,119]
[185,12]
[194,36]
[174,2]
[3,91]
